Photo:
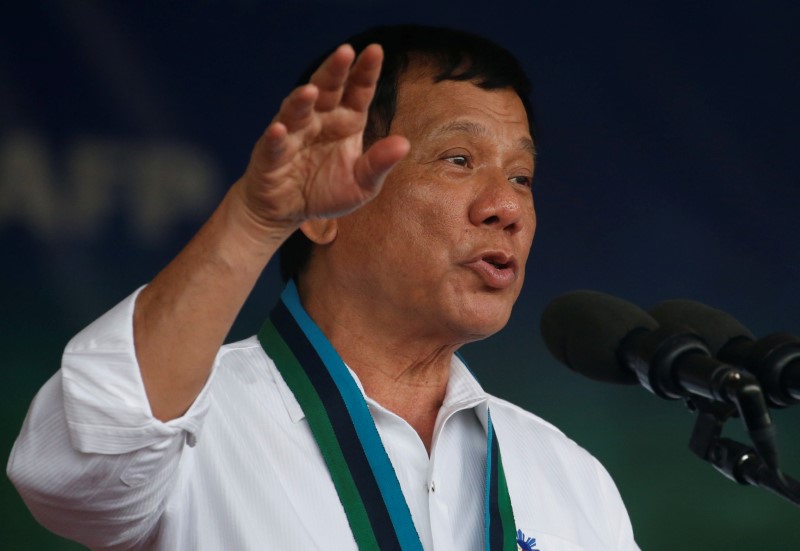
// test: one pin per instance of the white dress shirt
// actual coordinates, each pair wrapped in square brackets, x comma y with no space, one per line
[241,470]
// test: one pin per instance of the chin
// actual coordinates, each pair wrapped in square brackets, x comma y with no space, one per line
[473,316]
[482,325]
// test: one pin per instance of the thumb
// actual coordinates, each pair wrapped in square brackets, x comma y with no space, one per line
[374,165]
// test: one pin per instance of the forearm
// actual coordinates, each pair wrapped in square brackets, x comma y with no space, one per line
[183,316]
[309,163]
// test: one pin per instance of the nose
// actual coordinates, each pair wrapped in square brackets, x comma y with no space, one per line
[500,204]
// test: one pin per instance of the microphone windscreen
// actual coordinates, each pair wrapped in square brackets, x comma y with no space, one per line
[584,330]
[714,326]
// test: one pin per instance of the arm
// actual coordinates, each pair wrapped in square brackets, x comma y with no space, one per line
[308,164]
[91,462]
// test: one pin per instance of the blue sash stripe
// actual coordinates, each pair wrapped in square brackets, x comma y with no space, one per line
[487,520]
[494,528]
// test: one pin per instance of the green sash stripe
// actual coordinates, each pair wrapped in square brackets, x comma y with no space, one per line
[501,532]
[321,428]
[504,505]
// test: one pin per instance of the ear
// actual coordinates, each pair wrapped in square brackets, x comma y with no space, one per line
[321,231]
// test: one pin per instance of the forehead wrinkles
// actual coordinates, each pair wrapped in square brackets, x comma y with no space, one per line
[478,130]
[427,110]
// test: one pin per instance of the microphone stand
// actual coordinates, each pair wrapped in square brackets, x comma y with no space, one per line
[738,462]
[674,363]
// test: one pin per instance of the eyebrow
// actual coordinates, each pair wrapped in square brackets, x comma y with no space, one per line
[478,130]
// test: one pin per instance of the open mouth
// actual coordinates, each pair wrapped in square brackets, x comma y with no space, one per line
[499,262]
[496,269]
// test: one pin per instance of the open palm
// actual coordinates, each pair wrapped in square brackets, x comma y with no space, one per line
[310,163]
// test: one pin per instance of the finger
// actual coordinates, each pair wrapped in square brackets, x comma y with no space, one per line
[331,77]
[363,79]
[297,108]
[270,149]
[375,164]
[274,141]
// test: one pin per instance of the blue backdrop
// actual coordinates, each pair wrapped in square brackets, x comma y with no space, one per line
[668,137]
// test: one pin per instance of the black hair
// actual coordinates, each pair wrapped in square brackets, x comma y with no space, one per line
[453,55]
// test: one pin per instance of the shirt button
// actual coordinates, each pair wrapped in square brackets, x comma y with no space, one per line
[433,486]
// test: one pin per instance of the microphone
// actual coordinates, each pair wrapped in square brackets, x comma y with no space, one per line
[584,331]
[609,339]
[774,360]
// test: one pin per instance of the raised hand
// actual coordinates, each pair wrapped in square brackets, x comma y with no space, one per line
[310,163]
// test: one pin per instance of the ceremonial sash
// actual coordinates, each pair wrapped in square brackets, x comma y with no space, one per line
[345,432]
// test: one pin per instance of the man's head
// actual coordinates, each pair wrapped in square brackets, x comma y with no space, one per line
[449,55]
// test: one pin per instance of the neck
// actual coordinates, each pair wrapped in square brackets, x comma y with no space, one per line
[412,389]
[405,373]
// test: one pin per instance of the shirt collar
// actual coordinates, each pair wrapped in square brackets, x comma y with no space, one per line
[463,392]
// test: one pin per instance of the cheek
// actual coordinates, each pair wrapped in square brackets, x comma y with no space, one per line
[424,214]
[527,242]
[530,230]
[417,221]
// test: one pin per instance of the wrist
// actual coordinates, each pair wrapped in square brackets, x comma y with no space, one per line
[254,228]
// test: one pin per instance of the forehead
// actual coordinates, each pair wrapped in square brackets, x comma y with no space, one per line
[426,108]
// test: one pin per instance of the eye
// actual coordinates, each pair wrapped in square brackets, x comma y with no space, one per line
[526,181]
[459,160]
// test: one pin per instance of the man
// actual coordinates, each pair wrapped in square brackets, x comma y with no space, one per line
[348,422]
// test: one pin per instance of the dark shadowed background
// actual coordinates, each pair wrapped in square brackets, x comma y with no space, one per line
[668,137]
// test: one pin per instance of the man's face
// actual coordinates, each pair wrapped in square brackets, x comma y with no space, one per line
[442,249]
